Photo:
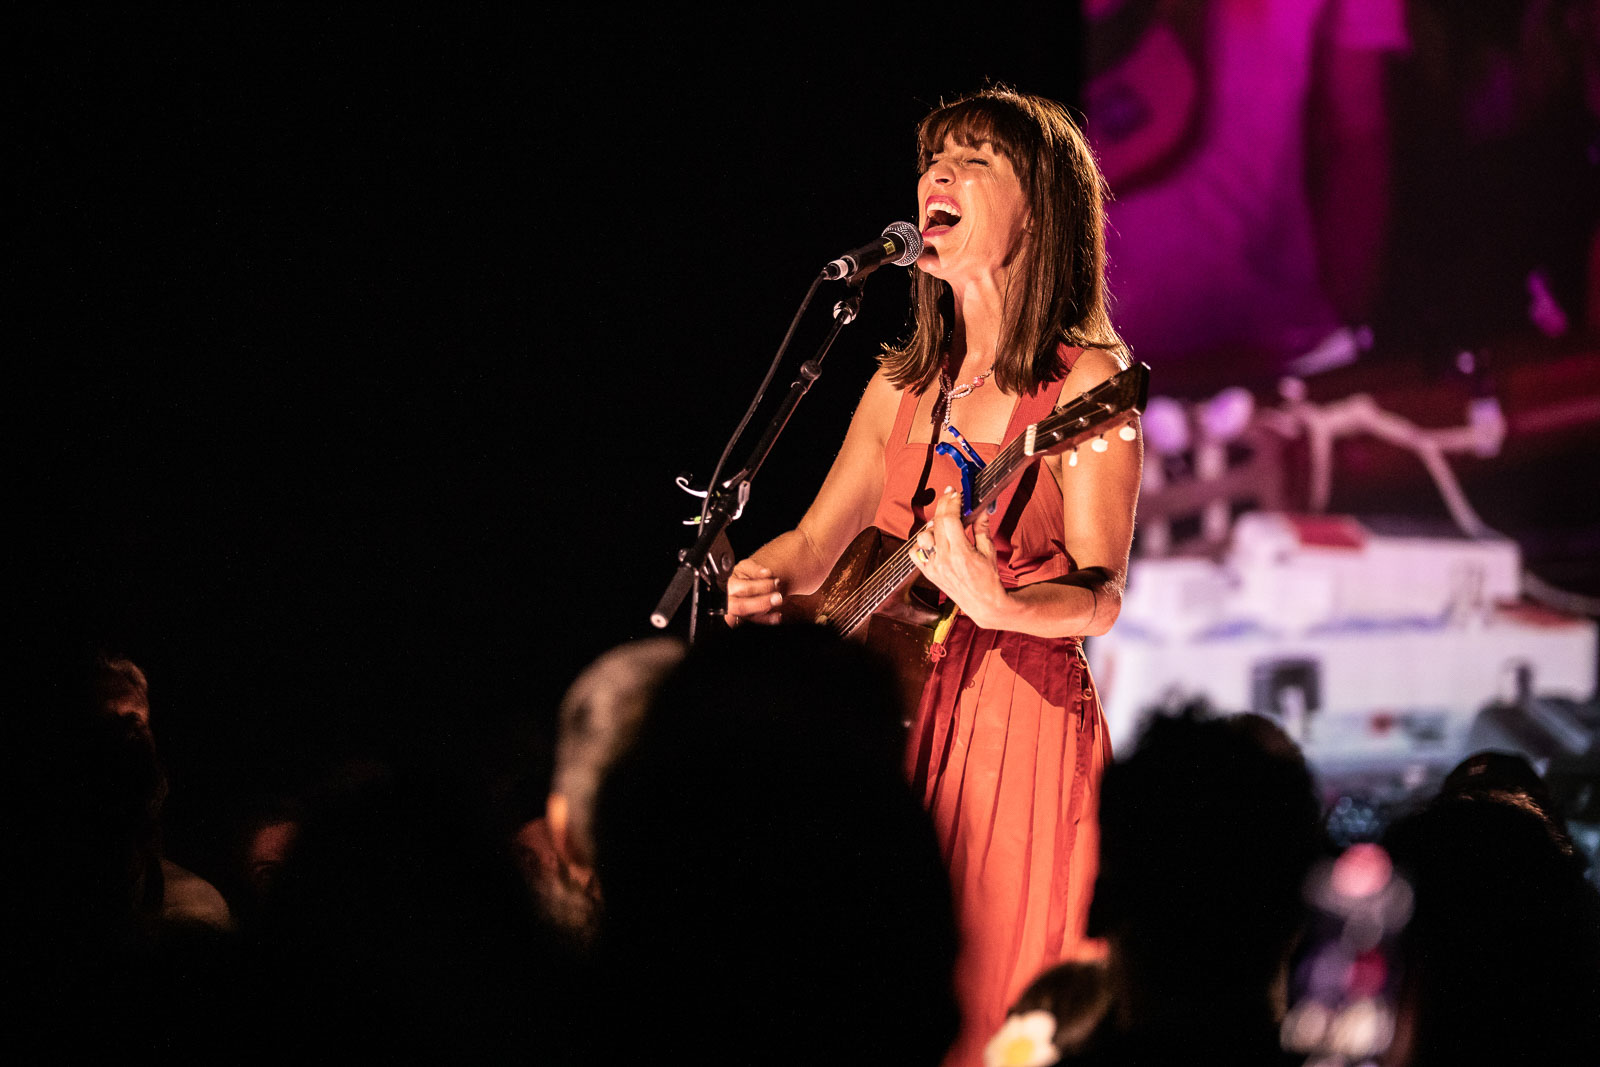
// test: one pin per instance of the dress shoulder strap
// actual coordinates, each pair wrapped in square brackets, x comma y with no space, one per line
[1032,407]
[902,419]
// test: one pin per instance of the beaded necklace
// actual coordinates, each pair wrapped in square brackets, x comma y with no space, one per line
[951,392]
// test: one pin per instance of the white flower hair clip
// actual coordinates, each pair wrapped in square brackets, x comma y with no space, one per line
[1026,1040]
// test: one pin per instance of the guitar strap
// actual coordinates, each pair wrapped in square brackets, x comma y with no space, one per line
[1013,501]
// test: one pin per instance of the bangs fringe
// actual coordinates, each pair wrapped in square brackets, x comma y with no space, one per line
[973,122]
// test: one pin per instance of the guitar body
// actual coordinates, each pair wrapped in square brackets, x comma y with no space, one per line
[901,629]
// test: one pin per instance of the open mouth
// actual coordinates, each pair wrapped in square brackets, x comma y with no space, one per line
[943,214]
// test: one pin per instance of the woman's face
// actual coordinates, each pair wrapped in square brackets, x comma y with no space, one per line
[972,212]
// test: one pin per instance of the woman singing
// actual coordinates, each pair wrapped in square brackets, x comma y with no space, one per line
[1008,742]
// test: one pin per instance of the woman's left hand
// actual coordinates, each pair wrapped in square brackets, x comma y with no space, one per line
[963,567]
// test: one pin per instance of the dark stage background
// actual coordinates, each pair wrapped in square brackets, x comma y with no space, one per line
[363,351]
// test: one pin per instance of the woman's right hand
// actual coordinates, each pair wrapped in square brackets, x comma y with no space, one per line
[844,507]
[753,594]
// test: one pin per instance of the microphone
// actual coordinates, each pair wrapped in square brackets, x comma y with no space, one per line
[900,244]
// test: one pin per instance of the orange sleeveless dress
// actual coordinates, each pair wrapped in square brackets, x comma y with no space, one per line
[1008,744]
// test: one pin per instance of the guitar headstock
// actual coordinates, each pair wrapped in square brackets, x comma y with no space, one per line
[1116,400]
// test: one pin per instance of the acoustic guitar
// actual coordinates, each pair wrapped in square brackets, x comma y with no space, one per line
[876,594]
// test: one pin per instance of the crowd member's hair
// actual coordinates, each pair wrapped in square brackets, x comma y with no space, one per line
[119,678]
[600,714]
[1502,956]
[1207,833]
[1057,293]
[1076,994]
[1508,774]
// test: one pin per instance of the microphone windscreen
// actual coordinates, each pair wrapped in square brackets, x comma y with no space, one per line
[910,237]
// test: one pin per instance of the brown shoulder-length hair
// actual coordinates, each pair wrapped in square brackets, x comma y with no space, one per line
[1058,294]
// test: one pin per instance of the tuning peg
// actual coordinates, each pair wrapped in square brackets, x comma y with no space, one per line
[1100,444]
[1072,458]
[1127,433]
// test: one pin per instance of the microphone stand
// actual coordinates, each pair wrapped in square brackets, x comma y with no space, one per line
[711,556]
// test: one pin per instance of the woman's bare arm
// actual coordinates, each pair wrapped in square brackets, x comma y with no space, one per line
[798,561]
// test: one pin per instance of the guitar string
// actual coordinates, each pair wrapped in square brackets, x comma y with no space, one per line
[861,604]
[864,602]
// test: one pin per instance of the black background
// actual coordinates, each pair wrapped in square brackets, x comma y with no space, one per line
[358,353]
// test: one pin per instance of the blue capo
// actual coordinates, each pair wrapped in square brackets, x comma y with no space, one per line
[966,458]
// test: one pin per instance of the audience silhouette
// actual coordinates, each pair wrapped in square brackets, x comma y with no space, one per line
[102,940]
[773,892]
[399,925]
[598,718]
[1502,954]
[1208,830]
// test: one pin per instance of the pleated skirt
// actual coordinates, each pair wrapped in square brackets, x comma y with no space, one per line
[1007,750]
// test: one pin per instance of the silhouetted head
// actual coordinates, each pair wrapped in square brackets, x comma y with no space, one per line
[81,834]
[1073,995]
[122,688]
[599,716]
[1500,772]
[398,923]
[768,876]
[1502,953]
[1207,833]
